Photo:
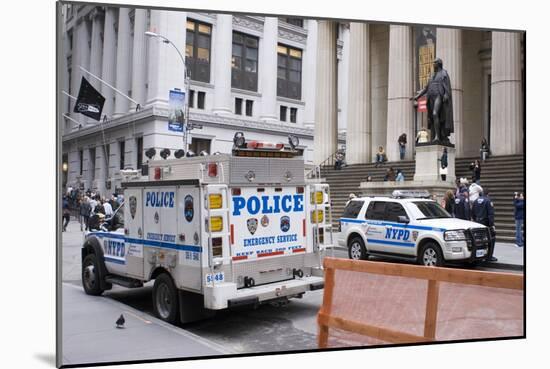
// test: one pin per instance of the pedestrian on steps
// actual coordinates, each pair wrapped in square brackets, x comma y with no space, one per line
[402,141]
[519,215]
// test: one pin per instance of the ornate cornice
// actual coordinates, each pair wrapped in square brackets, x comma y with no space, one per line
[292,33]
[159,112]
[254,23]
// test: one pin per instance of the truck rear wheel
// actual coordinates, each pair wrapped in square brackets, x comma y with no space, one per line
[91,276]
[356,249]
[165,299]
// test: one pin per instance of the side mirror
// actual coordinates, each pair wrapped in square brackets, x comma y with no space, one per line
[403,219]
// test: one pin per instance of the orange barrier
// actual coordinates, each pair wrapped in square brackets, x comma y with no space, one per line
[409,283]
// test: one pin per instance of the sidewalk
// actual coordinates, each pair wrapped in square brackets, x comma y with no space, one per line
[508,254]
[89,334]
[88,327]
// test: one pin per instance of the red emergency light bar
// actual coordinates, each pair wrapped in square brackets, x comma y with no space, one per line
[264,145]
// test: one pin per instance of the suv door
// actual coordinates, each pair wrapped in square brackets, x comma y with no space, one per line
[397,235]
[376,229]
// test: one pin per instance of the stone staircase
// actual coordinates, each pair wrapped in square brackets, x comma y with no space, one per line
[501,176]
[345,181]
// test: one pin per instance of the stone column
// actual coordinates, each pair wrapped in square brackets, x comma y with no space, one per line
[268,70]
[166,69]
[122,104]
[139,62]
[309,73]
[81,57]
[506,94]
[326,100]
[400,89]
[449,49]
[74,167]
[101,168]
[96,52]
[108,67]
[358,137]
[222,65]
[87,163]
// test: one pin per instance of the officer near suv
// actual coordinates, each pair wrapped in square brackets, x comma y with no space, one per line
[484,213]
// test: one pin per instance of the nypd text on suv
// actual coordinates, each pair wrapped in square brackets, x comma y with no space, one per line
[407,227]
[216,231]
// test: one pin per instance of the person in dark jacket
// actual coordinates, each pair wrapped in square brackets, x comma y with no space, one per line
[402,141]
[475,167]
[85,210]
[390,175]
[66,213]
[449,202]
[519,215]
[462,205]
[483,212]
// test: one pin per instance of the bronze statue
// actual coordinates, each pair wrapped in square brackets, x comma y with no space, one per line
[439,104]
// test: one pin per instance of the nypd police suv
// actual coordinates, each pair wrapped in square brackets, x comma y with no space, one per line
[215,231]
[408,226]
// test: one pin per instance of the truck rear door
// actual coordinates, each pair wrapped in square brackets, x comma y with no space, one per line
[267,222]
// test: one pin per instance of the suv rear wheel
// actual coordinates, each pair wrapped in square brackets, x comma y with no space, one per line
[356,249]
[430,255]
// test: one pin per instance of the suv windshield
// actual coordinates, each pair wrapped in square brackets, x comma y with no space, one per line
[427,210]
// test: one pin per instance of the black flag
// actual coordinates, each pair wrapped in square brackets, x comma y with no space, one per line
[89,101]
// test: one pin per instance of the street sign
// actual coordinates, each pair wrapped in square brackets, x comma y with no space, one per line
[176,101]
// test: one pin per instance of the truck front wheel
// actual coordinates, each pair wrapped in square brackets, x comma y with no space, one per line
[165,299]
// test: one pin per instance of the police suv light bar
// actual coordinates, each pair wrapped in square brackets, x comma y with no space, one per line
[423,194]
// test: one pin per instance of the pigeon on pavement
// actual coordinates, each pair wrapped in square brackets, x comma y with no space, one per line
[120,322]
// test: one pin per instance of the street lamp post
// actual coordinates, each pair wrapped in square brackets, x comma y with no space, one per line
[186,86]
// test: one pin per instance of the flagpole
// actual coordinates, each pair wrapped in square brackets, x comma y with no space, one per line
[108,85]
[72,120]
[71,96]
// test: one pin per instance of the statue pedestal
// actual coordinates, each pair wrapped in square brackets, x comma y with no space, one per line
[428,164]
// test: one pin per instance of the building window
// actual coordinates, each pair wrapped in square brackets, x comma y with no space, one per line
[81,159]
[197,50]
[139,152]
[200,144]
[244,62]
[282,113]
[249,105]
[293,114]
[200,100]
[122,147]
[299,22]
[238,106]
[191,98]
[289,72]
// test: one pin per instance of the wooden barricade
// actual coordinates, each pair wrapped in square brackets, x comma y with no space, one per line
[433,276]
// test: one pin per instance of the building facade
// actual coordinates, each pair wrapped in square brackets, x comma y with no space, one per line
[329,83]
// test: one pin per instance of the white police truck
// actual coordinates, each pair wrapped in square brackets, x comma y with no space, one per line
[410,226]
[215,232]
